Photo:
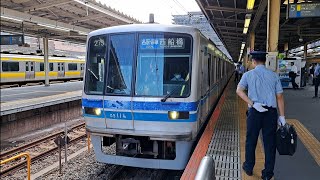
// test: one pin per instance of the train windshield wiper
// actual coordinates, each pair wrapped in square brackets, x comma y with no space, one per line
[170,93]
[93,74]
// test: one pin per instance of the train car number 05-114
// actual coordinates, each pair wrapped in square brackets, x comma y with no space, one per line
[117,116]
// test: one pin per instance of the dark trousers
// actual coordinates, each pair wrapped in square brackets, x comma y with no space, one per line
[316,86]
[293,81]
[236,77]
[267,121]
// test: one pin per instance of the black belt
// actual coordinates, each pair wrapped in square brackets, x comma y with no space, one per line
[270,108]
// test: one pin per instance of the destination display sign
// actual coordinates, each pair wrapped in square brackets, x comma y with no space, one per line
[162,43]
[303,10]
[12,40]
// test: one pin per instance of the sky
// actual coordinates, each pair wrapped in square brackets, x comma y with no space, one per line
[162,9]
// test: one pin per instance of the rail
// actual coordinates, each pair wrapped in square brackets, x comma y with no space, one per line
[19,156]
[206,170]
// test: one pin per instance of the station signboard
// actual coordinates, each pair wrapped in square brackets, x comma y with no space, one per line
[303,10]
[12,39]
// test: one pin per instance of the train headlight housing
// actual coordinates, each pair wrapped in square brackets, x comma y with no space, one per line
[92,111]
[178,115]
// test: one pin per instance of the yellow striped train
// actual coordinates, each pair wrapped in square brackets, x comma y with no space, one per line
[30,68]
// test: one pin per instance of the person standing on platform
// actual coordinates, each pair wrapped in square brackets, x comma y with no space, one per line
[237,69]
[316,80]
[264,96]
[294,72]
[241,70]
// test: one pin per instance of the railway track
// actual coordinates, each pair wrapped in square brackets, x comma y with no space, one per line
[39,148]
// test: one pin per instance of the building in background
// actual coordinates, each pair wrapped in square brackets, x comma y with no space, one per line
[199,21]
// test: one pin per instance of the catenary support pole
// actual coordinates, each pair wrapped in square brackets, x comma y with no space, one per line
[46,60]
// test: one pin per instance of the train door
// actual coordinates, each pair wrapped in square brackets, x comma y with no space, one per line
[81,69]
[119,76]
[30,70]
[61,69]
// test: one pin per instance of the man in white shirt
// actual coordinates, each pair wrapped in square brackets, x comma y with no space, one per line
[294,71]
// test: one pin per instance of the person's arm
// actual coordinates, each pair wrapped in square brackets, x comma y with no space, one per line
[243,95]
[280,101]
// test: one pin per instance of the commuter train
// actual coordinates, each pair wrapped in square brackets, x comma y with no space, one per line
[148,90]
[30,68]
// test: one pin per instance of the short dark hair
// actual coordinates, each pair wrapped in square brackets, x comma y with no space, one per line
[259,56]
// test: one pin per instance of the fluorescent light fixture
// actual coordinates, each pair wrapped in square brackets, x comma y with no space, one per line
[243,45]
[241,51]
[247,22]
[250,4]
[54,27]
[245,30]
[11,18]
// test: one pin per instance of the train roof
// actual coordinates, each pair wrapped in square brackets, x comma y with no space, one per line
[144,28]
[37,57]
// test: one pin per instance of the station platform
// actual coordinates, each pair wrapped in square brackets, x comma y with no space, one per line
[19,99]
[225,133]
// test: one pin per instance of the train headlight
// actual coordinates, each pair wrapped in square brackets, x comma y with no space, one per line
[178,115]
[97,111]
[92,111]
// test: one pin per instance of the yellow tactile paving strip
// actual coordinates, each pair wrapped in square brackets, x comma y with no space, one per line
[309,141]
[242,107]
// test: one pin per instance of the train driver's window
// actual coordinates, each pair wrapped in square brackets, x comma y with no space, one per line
[94,80]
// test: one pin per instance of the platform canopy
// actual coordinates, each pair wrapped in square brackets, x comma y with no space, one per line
[69,20]
[227,17]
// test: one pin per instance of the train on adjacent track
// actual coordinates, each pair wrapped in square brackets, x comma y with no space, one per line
[16,68]
[148,90]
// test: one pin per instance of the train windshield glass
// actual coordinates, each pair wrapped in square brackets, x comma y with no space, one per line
[96,65]
[163,65]
[121,59]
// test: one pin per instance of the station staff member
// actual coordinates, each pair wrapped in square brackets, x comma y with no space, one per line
[264,96]
[294,71]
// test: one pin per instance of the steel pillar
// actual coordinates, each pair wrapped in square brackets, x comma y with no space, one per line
[46,60]
[273,25]
[252,39]
[273,33]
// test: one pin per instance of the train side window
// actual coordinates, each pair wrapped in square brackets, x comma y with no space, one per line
[62,66]
[72,67]
[50,66]
[10,66]
[41,66]
[59,68]
[27,66]
[31,66]
[209,67]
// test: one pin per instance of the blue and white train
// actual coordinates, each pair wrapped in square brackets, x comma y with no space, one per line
[148,90]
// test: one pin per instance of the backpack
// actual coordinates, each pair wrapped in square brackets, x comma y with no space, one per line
[286,140]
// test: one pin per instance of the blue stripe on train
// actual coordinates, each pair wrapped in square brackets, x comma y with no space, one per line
[126,105]
[137,116]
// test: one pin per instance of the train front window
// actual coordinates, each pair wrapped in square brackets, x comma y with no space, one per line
[163,65]
[95,65]
[121,58]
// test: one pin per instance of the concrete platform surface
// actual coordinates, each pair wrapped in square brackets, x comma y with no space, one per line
[22,93]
